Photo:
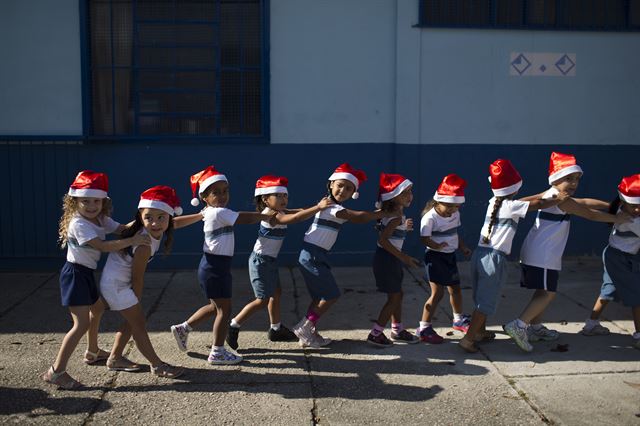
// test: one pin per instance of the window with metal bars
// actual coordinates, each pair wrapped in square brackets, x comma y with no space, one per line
[194,69]
[585,15]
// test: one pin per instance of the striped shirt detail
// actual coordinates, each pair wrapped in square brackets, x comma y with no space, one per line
[324,223]
[272,233]
[553,217]
[445,233]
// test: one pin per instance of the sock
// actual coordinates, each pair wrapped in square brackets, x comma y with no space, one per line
[590,323]
[187,326]
[312,316]
[424,324]
[217,349]
[457,316]
[520,323]
[536,326]
[234,324]
[276,326]
[377,329]
[636,335]
[396,327]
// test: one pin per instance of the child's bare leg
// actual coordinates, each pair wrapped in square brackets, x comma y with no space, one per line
[80,315]
[455,298]
[320,307]
[123,335]
[250,309]
[396,314]
[598,308]
[221,323]
[636,317]
[391,309]
[202,314]
[136,320]
[95,315]
[274,306]
[476,327]
[431,304]
[532,314]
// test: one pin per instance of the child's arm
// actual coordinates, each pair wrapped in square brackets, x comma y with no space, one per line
[247,218]
[138,267]
[384,242]
[190,219]
[545,203]
[427,241]
[463,247]
[116,245]
[299,215]
[533,197]
[360,216]
[593,203]
[120,229]
[571,206]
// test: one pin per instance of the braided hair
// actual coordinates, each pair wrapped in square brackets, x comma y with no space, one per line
[494,214]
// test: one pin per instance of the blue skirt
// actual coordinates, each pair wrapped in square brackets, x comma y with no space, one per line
[78,285]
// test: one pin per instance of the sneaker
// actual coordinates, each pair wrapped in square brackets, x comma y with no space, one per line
[462,324]
[379,341]
[304,331]
[283,334]
[224,358]
[403,336]
[429,335]
[232,337]
[596,330]
[636,344]
[167,371]
[542,334]
[122,364]
[181,334]
[62,380]
[519,335]
[319,340]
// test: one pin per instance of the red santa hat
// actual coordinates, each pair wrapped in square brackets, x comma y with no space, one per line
[161,197]
[270,184]
[504,178]
[89,184]
[451,190]
[561,165]
[391,185]
[202,180]
[356,177]
[629,189]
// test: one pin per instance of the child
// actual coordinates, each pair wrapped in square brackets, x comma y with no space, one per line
[541,252]
[395,195]
[214,271]
[489,260]
[271,196]
[621,260]
[343,184]
[439,232]
[83,227]
[122,280]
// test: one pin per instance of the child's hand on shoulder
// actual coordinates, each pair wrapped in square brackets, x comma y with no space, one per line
[140,240]
[439,246]
[409,224]
[411,262]
[326,202]
[561,196]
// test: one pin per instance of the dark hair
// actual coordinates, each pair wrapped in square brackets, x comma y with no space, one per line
[329,194]
[259,202]
[137,225]
[428,206]
[494,214]
[613,207]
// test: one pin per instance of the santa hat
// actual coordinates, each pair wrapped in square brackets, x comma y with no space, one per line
[270,184]
[391,185]
[345,171]
[202,180]
[504,178]
[451,190]
[89,184]
[629,189]
[161,197]
[561,165]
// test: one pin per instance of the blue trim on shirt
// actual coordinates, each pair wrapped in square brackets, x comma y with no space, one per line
[324,223]
[553,217]
[272,233]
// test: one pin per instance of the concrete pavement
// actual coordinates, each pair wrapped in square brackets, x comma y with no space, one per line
[596,381]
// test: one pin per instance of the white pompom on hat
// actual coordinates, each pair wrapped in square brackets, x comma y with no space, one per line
[161,197]
[561,165]
[202,180]
[356,177]
[89,184]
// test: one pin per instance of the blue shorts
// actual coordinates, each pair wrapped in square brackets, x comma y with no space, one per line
[441,268]
[214,275]
[536,278]
[264,276]
[316,271]
[624,271]
[608,289]
[78,285]
[488,274]
[387,269]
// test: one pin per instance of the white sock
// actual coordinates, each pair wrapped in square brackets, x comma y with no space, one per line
[521,323]
[187,326]
[590,323]
[217,349]
[276,326]
[424,324]
[234,324]
[457,316]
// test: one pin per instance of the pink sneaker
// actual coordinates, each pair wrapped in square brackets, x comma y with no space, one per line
[429,335]
[462,324]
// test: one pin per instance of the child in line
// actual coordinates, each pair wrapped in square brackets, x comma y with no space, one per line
[541,252]
[85,221]
[489,260]
[271,196]
[394,196]
[621,261]
[214,271]
[122,279]
[439,232]
[342,185]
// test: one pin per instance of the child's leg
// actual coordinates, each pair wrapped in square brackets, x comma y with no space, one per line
[396,313]
[455,298]
[636,317]
[532,314]
[274,306]
[80,315]
[320,307]
[476,327]
[123,335]
[95,315]
[248,310]
[598,308]
[137,323]
[221,323]
[391,310]
[431,304]
[201,315]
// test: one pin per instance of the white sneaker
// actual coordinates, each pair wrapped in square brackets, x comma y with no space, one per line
[224,357]
[181,334]
[542,334]
[519,335]
[304,331]
[596,330]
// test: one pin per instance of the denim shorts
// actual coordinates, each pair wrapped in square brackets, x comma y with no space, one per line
[77,285]
[441,268]
[624,271]
[316,271]
[214,275]
[387,269]
[264,276]
[488,274]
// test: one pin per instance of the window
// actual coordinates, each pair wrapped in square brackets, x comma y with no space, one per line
[178,68]
[589,15]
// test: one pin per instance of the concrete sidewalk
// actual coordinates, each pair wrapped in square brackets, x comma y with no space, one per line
[596,381]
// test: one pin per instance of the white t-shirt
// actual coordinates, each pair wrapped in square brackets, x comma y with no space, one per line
[270,238]
[505,224]
[118,264]
[218,230]
[441,229]
[626,237]
[398,235]
[545,243]
[323,232]
[80,232]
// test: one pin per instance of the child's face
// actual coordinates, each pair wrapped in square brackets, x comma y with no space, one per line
[632,210]
[89,207]
[342,190]
[218,194]
[155,221]
[568,184]
[446,209]
[276,202]
[405,198]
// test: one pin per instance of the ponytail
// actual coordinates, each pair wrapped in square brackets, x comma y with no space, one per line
[494,214]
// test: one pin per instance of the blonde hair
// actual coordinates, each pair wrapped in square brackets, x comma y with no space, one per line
[69,209]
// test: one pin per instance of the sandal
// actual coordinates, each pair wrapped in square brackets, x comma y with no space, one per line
[484,336]
[122,364]
[167,371]
[62,379]
[467,345]
[91,358]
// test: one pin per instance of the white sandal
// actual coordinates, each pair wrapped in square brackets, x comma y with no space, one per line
[91,358]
